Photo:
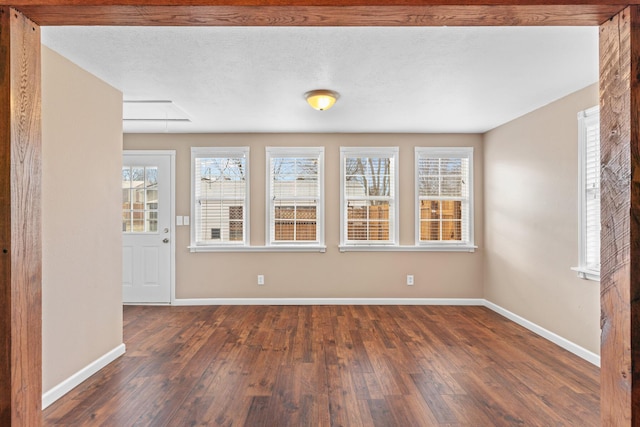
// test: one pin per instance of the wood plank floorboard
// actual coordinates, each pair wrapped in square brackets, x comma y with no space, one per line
[277,366]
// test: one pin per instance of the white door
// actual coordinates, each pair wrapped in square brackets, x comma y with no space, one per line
[146,227]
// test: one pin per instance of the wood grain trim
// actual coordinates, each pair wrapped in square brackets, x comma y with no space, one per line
[5,221]
[620,278]
[321,3]
[634,213]
[371,15]
[20,224]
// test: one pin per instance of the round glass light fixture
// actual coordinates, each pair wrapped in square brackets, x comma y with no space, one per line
[321,99]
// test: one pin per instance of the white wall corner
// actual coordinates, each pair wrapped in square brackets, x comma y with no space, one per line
[76,379]
[544,333]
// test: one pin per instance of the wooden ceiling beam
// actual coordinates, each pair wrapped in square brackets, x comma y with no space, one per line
[226,13]
[335,3]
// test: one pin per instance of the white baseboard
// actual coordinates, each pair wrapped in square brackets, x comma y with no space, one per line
[329,301]
[74,380]
[544,333]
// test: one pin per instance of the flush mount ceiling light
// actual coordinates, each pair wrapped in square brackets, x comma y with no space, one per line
[321,99]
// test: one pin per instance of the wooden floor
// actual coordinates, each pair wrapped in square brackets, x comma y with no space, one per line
[332,366]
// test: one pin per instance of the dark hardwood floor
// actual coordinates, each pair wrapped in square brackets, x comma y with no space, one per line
[332,366]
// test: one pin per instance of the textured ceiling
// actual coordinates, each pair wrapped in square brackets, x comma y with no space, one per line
[252,79]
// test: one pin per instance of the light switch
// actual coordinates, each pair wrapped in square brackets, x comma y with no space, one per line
[185,220]
[178,220]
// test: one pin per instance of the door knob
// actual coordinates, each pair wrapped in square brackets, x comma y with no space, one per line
[165,240]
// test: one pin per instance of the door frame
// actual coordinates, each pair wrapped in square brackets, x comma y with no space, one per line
[172,213]
[19,397]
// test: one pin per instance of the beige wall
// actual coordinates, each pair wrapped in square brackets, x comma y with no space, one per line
[81,260]
[531,221]
[331,274]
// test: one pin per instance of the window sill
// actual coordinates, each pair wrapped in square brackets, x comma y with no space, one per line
[398,248]
[283,248]
[587,274]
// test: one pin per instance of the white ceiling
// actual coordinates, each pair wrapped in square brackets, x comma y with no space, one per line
[390,79]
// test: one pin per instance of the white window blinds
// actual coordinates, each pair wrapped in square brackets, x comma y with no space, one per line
[295,193]
[220,195]
[369,195]
[444,195]
[589,185]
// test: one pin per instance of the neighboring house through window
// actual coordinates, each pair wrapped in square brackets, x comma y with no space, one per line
[295,196]
[589,194]
[140,199]
[220,196]
[369,180]
[444,197]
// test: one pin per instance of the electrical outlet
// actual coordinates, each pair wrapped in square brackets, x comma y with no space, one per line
[260,279]
[409,279]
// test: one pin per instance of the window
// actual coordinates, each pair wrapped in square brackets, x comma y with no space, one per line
[444,196]
[369,196]
[589,194]
[220,196]
[140,199]
[295,196]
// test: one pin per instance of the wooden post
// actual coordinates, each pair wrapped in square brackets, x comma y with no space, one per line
[20,225]
[620,271]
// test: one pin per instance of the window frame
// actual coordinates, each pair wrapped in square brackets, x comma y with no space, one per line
[586,118]
[219,152]
[294,152]
[445,152]
[393,242]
